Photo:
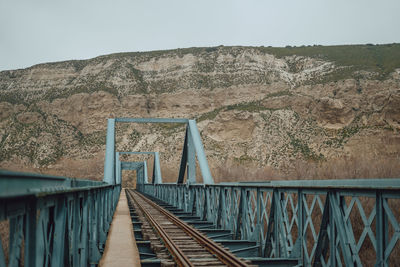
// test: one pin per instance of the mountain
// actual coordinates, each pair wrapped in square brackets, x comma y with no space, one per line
[259,107]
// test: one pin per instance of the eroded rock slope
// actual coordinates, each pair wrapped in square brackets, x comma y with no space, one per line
[254,106]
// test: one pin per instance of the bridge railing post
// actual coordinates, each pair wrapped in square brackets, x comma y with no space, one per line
[300,220]
[30,234]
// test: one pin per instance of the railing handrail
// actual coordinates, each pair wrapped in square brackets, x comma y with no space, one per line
[9,174]
[22,184]
[367,184]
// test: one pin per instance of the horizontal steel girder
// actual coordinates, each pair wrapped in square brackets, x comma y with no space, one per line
[151,120]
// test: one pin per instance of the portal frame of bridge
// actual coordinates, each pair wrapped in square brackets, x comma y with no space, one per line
[156,177]
[141,171]
[192,148]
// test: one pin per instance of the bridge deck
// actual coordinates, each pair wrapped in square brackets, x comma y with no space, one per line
[121,249]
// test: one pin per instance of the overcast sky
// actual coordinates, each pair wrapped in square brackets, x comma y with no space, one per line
[37,31]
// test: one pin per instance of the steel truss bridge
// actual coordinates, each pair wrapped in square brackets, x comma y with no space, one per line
[59,221]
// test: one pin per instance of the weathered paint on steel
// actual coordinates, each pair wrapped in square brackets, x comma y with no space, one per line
[64,221]
[58,227]
[280,216]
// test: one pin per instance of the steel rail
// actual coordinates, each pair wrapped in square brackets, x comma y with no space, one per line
[175,251]
[223,255]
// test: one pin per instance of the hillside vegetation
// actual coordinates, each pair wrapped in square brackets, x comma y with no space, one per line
[276,110]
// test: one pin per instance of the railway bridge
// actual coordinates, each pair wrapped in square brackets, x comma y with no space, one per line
[60,221]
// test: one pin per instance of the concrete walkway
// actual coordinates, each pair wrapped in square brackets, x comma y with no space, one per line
[121,249]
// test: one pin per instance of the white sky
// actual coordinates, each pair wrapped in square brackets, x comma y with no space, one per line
[37,31]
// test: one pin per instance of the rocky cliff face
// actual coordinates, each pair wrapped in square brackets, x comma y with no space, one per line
[254,106]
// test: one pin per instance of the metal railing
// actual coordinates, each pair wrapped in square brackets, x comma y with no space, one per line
[54,221]
[322,223]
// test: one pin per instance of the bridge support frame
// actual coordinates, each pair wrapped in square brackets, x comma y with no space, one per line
[156,177]
[192,149]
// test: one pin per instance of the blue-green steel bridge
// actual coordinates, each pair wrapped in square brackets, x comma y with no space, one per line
[60,221]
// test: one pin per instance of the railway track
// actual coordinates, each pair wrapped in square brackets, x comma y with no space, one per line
[186,245]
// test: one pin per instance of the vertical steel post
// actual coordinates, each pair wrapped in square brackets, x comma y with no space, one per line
[220,208]
[84,240]
[300,220]
[15,240]
[257,231]
[118,178]
[322,243]
[191,160]
[157,169]
[184,158]
[75,227]
[224,209]
[109,163]
[30,234]
[146,179]
[201,156]
[245,214]
[332,229]
[60,214]
[239,215]
[277,222]
[341,227]
[381,238]
[94,254]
